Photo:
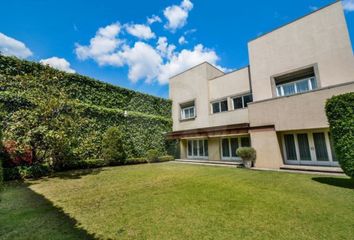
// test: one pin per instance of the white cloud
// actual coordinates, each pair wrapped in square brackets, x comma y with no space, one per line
[186,59]
[143,62]
[348,5]
[102,47]
[140,31]
[12,47]
[153,19]
[165,49]
[58,63]
[182,40]
[177,15]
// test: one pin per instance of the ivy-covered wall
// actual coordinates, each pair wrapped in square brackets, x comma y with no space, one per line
[80,87]
[45,109]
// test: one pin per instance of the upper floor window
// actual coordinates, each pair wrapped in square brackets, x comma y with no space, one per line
[242,101]
[297,82]
[188,111]
[220,106]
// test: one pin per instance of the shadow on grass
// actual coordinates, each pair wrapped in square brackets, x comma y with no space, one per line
[76,174]
[337,182]
[24,214]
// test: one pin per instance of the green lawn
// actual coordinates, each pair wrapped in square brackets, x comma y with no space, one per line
[178,201]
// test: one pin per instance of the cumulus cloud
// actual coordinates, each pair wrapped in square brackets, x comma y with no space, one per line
[153,19]
[348,5]
[164,48]
[143,62]
[102,47]
[182,40]
[140,31]
[12,47]
[185,59]
[177,15]
[58,63]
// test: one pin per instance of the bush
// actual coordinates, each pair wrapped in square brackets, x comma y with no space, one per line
[22,172]
[136,160]
[1,175]
[166,158]
[91,163]
[152,155]
[112,147]
[340,114]
[246,153]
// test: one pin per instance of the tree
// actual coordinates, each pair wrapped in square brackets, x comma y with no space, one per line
[112,146]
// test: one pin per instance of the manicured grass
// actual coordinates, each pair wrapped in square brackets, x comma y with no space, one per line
[178,201]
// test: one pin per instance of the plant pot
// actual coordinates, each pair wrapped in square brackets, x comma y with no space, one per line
[247,163]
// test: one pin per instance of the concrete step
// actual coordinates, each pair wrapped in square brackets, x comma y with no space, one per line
[323,169]
[209,162]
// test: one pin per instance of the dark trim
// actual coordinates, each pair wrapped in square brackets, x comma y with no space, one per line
[295,20]
[219,130]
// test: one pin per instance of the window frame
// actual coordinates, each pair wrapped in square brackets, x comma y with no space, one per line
[279,88]
[242,99]
[187,106]
[198,147]
[239,144]
[219,103]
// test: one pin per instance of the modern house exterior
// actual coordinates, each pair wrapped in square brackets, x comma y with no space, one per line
[276,104]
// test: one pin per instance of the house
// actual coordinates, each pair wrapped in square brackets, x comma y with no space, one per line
[276,104]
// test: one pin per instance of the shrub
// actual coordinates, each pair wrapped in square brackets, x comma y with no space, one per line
[1,175]
[112,147]
[340,114]
[136,160]
[22,172]
[152,155]
[246,153]
[91,163]
[166,158]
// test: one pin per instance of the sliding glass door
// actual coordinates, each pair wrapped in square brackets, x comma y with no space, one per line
[230,145]
[311,148]
[197,149]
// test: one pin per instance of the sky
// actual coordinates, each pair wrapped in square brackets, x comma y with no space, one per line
[140,44]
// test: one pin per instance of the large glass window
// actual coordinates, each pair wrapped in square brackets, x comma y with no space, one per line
[188,111]
[230,145]
[290,147]
[220,106]
[242,101]
[299,86]
[311,148]
[197,148]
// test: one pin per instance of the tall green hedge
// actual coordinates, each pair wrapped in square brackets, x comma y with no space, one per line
[67,114]
[340,114]
[78,87]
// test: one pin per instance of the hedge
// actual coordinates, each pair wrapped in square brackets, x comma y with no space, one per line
[78,87]
[38,103]
[340,114]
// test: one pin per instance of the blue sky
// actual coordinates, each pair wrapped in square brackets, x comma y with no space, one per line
[139,44]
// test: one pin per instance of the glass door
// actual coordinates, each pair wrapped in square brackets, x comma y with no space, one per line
[197,149]
[311,148]
[230,145]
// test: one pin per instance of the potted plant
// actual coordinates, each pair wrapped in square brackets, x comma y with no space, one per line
[247,154]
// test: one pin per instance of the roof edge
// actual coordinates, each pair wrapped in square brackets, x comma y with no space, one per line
[195,66]
[295,20]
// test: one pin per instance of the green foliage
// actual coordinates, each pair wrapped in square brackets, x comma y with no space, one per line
[63,117]
[112,146]
[340,114]
[166,158]
[1,175]
[22,172]
[78,87]
[90,163]
[136,160]
[152,155]
[246,153]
